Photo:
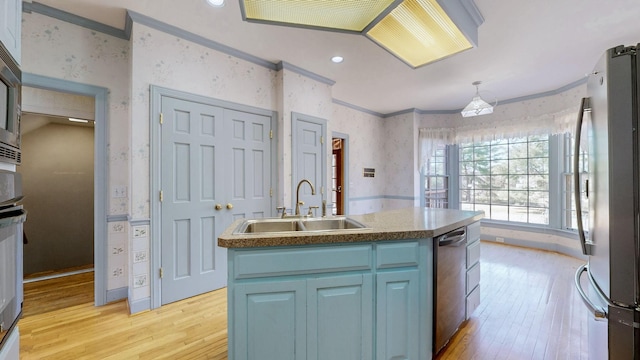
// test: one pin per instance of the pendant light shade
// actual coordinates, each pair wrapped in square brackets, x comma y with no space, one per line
[478,106]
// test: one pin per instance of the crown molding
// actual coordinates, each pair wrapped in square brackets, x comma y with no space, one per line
[132,16]
[38,8]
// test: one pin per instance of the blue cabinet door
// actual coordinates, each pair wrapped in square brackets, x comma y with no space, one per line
[11,27]
[340,317]
[269,321]
[397,315]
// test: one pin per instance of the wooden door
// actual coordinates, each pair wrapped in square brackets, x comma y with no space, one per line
[192,143]
[247,170]
[215,168]
[309,160]
[337,176]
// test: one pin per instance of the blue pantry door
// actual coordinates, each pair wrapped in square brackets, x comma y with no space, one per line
[247,166]
[215,167]
[192,139]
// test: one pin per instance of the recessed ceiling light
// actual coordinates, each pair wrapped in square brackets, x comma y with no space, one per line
[216,3]
[337,59]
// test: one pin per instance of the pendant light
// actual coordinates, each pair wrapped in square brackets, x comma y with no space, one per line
[478,106]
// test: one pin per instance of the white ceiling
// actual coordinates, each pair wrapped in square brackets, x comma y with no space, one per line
[525,48]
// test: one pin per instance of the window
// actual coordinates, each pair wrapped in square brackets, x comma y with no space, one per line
[569,219]
[508,179]
[436,180]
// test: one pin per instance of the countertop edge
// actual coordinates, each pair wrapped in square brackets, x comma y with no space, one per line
[439,221]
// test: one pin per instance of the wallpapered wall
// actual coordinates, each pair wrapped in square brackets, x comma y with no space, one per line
[165,60]
[306,96]
[366,150]
[127,68]
[57,49]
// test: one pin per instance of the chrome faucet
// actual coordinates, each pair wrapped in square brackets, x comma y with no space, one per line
[298,203]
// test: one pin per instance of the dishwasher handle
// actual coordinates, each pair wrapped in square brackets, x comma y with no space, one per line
[454,238]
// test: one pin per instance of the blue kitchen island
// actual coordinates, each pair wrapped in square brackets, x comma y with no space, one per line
[352,293]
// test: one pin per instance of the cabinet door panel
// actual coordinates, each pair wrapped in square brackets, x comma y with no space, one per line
[269,321]
[11,27]
[397,315]
[339,312]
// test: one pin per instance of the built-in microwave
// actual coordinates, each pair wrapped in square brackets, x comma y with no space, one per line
[10,93]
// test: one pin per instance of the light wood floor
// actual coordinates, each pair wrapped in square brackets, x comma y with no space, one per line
[529,310]
[57,293]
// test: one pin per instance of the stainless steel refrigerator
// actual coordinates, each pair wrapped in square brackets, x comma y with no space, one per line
[609,119]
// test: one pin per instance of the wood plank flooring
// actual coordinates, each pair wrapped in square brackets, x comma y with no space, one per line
[45,296]
[529,310]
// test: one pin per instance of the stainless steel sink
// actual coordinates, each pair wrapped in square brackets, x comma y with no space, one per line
[269,225]
[293,224]
[333,223]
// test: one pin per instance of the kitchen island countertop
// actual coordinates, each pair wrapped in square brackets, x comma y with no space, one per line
[400,224]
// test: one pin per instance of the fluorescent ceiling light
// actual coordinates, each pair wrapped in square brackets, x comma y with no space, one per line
[337,59]
[78,120]
[478,106]
[330,14]
[418,32]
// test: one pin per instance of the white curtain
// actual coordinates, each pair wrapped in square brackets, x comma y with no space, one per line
[488,128]
[428,142]
[485,129]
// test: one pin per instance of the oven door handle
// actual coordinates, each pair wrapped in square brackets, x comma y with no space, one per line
[14,217]
[11,202]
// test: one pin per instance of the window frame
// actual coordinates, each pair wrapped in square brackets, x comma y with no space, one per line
[437,169]
[501,154]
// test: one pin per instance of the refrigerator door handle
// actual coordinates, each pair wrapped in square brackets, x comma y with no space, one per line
[597,311]
[586,247]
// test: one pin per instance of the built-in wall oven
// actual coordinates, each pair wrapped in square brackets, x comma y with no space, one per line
[12,216]
[10,93]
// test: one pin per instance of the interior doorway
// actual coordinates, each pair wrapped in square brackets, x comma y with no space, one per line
[57,173]
[337,180]
[100,104]
[339,174]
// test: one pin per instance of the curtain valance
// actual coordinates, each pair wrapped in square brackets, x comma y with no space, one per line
[478,129]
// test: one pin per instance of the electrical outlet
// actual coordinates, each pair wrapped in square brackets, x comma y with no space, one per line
[499,239]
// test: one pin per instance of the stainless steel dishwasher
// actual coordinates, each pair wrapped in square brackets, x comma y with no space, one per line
[450,265]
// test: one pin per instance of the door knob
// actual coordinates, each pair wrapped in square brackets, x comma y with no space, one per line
[229,206]
[218,207]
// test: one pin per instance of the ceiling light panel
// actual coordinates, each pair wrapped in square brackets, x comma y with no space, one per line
[331,14]
[419,32]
